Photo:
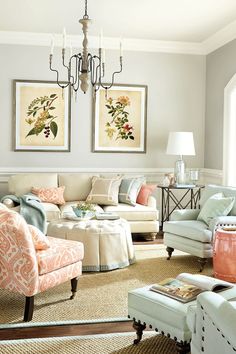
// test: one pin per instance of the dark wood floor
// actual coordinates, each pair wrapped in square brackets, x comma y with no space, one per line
[78,329]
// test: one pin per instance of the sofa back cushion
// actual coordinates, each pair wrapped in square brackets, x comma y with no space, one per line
[22,183]
[213,189]
[77,185]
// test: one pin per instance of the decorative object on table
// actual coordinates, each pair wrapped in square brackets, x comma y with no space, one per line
[120,119]
[194,175]
[41,116]
[84,67]
[84,210]
[180,143]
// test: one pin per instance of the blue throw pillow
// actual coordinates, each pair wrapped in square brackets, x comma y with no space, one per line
[129,189]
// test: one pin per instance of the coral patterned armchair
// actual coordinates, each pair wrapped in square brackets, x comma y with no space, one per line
[31,263]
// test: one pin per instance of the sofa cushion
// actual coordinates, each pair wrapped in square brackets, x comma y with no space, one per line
[22,183]
[133,213]
[104,191]
[67,208]
[52,195]
[192,229]
[77,185]
[129,189]
[52,211]
[216,205]
[60,254]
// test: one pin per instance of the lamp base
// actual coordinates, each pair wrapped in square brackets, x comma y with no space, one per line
[180,171]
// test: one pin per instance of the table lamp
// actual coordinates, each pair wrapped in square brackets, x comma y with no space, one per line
[180,143]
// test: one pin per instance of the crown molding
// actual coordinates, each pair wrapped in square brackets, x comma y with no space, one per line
[209,45]
[220,38]
[129,44]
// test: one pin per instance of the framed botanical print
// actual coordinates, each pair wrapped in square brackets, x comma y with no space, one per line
[120,119]
[42,115]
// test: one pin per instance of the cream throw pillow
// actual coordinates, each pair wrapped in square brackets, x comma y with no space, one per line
[104,191]
[216,205]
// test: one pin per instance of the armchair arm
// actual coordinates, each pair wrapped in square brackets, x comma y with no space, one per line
[184,214]
[222,221]
[222,315]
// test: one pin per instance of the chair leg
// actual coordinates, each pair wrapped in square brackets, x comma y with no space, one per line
[169,250]
[202,262]
[74,283]
[29,308]
[182,347]
[139,328]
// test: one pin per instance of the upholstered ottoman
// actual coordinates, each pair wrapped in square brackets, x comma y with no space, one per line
[164,315]
[107,243]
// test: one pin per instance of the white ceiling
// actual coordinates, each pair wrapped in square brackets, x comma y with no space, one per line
[168,20]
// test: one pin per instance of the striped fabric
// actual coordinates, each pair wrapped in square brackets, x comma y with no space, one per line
[129,190]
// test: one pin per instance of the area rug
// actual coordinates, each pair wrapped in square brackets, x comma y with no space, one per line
[102,344]
[100,295]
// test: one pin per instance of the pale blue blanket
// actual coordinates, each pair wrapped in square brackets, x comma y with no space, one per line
[31,209]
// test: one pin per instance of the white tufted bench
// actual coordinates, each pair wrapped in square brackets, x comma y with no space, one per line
[165,315]
[107,243]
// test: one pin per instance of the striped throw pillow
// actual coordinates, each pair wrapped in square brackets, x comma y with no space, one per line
[129,190]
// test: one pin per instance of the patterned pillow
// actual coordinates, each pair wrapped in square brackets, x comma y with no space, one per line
[50,195]
[144,193]
[104,191]
[129,190]
[40,241]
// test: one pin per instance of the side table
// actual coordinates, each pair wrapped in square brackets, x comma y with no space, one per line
[193,194]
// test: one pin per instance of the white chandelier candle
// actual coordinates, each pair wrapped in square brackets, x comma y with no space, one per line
[84,67]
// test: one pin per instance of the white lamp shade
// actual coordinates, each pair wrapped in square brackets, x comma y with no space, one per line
[180,143]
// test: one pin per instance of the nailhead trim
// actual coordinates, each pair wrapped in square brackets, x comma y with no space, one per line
[203,330]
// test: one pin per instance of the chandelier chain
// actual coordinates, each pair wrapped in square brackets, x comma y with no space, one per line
[86,9]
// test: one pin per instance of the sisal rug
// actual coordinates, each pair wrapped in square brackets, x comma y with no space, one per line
[100,295]
[102,344]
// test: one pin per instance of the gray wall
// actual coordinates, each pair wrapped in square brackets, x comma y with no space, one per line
[220,67]
[176,101]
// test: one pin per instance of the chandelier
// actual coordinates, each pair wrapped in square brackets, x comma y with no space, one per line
[84,67]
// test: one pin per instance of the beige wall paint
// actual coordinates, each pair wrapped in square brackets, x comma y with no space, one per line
[176,102]
[220,68]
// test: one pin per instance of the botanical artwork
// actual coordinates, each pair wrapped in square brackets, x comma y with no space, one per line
[120,119]
[42,116]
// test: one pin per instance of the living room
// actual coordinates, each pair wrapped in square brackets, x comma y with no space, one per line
[181,57]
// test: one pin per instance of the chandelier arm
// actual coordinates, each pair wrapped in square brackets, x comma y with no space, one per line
[70,69]
[113,77]
[57,73]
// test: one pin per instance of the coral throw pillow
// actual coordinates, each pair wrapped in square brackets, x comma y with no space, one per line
[50,195]
[144,193]
[40,241]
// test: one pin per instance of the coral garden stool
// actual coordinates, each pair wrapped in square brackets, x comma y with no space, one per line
[224,255]
[165,315]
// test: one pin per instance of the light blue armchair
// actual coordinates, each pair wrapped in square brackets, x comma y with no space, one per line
[213,325]
[185,233]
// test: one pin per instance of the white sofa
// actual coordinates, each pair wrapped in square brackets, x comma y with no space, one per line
[142,219]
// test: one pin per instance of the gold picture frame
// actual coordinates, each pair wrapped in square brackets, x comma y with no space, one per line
[42,116]
[120,119]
